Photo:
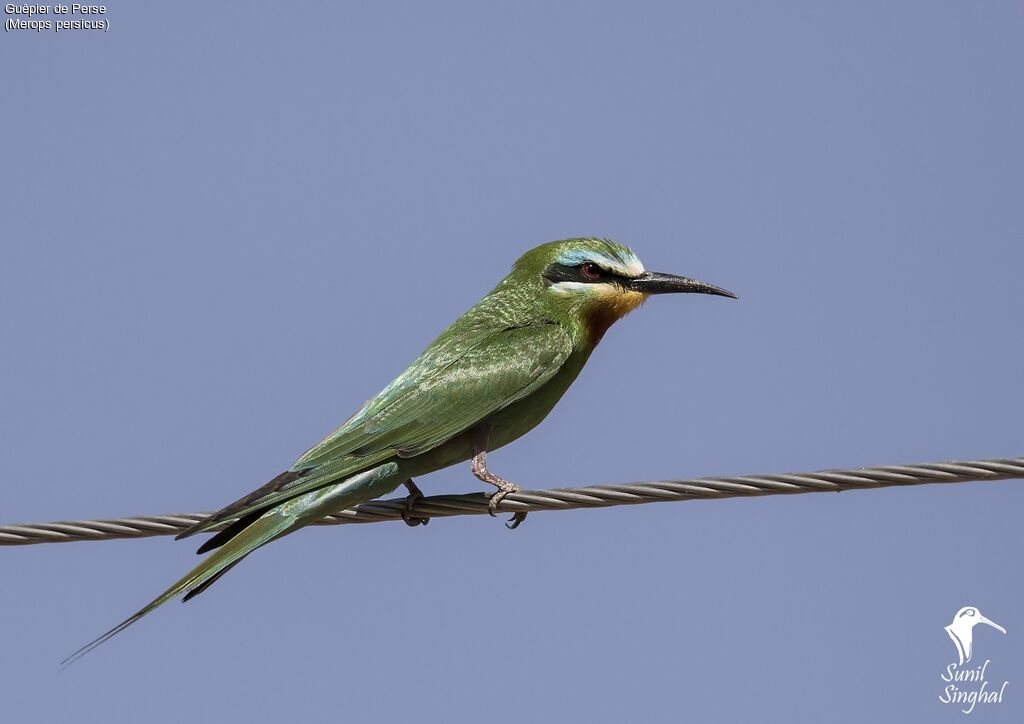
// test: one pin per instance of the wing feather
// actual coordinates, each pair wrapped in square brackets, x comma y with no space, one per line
[454,385]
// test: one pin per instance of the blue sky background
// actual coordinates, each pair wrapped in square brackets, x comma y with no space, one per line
[224,230]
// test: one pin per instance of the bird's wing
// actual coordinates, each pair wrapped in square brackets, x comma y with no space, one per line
[450,388]
[359,430]
[420,413]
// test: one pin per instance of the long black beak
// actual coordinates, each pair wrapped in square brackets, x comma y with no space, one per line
[656,283]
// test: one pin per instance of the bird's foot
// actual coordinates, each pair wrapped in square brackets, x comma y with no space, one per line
[504,488]
[410,500]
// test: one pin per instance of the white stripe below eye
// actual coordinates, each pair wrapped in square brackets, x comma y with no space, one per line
[583,288]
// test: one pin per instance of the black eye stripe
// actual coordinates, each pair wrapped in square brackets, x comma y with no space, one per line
[555,273]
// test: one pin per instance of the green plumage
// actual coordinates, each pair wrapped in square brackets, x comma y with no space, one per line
[494,374]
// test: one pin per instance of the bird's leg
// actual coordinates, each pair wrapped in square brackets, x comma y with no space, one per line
[504,486]
[410,500]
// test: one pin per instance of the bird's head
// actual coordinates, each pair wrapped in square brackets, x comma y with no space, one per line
[969,616]
[599,281]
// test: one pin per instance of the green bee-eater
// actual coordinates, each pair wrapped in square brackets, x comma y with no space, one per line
[488,379]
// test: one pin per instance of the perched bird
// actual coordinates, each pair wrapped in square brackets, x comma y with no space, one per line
[488,379]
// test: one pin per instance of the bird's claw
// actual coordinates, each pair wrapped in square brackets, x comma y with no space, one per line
[410,500]
[504,488]
[412,520]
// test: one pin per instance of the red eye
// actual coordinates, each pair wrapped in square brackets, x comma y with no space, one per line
[591,270]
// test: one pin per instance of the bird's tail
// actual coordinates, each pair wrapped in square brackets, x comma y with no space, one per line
[274,523]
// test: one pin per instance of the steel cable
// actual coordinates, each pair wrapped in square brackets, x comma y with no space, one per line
[592,496]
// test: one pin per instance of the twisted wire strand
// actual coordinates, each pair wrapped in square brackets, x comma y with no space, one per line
[591,496]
